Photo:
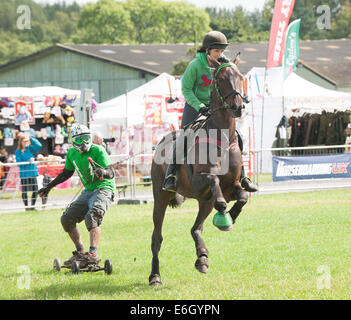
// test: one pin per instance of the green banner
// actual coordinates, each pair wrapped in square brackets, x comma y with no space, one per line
[292,51]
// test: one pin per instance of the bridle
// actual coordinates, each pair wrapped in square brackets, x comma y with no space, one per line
[222,97]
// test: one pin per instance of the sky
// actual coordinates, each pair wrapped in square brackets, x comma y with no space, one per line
[249,5]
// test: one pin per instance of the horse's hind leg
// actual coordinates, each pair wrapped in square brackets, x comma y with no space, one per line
[160,206]
[205,208]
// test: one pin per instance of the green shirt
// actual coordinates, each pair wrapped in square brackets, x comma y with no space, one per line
[197,82]
[76,161]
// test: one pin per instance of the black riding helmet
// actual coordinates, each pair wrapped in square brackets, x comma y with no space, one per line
[215,40]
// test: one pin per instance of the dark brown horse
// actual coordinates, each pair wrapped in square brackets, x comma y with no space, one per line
[213,183]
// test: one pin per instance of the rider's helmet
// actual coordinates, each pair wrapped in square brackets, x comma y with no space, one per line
[81,139]
[215,40]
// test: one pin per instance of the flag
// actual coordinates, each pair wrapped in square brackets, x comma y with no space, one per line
[280,21]
[292,52]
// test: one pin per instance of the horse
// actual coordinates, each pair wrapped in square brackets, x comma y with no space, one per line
[199,180]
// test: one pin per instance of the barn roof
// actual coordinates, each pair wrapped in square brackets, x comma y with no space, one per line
[330,59]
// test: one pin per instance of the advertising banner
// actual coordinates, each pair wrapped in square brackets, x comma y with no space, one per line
[292,50]
[24,113]
[280,21]
[311,167]
[153,105]
[12,180]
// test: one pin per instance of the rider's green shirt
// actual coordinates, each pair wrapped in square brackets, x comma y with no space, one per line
[78,162]
[197,82]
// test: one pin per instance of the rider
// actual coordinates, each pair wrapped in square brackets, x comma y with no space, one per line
[94,200]
[197,86]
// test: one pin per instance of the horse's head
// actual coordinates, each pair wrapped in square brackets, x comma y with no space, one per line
[227,81]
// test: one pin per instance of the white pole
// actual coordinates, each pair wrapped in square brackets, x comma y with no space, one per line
[262,118]
[253,133]
[127,145]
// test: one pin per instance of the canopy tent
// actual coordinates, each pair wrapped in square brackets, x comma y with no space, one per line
[271,97]
[309,97]
[13,92]
[296,92]
[130,109]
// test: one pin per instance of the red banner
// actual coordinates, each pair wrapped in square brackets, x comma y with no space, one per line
[51,170]
[176,106]
[24,111]
[280,22]
[153,104]
[12,180]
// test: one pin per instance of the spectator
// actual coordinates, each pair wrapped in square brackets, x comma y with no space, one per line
[3,169]
[99,140]
[26,150]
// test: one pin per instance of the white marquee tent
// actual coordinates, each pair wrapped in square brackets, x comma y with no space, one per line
[297,92]
[129,108]
[282,98]
[13,92]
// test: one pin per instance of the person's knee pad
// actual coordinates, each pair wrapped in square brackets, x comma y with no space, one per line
[94,217]
[67,223]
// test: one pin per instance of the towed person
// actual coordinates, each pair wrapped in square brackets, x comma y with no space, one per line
[91,162]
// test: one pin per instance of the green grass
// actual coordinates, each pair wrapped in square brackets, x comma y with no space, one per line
[276,250]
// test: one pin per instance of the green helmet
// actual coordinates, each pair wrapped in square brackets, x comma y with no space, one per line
[215,40]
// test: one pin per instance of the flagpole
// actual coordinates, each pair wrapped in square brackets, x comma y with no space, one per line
[281,16]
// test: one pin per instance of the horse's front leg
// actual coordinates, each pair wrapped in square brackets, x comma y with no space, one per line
[204,180]
[242,197]
[205,208]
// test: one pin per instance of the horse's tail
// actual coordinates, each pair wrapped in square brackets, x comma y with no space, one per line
[177,201]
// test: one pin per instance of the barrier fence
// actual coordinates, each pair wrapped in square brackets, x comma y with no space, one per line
[302,168]
[272,169]
[132,175]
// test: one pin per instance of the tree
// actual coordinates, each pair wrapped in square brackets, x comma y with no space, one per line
[238,25]
[105,21]
[184,22]
[341,24]
[13,48]
[180,65]
[306,10]
[147,19]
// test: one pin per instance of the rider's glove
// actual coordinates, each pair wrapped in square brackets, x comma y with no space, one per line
[204,111]
[99,173]
[43,192]
[246,98]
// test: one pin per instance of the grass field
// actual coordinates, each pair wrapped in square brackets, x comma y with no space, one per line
[289,246]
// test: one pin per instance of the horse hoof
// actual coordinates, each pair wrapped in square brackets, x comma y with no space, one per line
[225,228]
[201,264]
[220,205]
[155,280]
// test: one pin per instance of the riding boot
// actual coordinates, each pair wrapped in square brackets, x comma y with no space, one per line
[246,183]
[170,182]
